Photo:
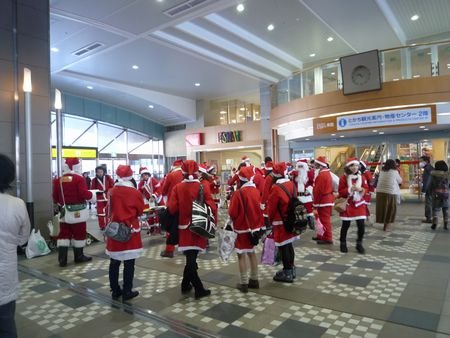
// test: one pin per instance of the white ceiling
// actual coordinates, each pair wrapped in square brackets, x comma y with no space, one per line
[230,54]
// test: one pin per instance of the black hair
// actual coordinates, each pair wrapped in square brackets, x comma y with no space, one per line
[242,165]
[267,159]
[397,160]
[347,171]
[389,164]
[441,165]
[425,158]
[101,167]
[7,173]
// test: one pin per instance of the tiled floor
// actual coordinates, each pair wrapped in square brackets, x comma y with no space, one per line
[399,288]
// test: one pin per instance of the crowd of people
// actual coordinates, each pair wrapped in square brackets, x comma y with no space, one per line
[259,202]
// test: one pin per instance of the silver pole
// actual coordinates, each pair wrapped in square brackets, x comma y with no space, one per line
[16,97]
[29,157]
[126,147]
[59,141]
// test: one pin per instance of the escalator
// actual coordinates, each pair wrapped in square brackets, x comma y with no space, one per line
[337,166]
[374,156]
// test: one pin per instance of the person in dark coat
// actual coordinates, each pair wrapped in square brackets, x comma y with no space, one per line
[439,191]
[427,168]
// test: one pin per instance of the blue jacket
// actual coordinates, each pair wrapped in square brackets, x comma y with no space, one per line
[426,177]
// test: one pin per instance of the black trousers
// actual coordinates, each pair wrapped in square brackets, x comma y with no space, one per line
[128,275]
[190,275]
[7,322]
[172,230]
[287,255]
[344,229]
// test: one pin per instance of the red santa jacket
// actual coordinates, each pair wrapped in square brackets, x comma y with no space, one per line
[104,185]
[367,175]
[278,201]
[259,182]
[245,209]
[126,205]
[234,180]
[323,189]
[268,182]
[74,188]
[172,179]
[215,185]
[147,187]
[355,202]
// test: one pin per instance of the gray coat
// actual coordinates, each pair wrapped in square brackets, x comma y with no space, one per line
[435,181]
[426,177]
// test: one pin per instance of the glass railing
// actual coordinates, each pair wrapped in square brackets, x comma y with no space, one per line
[413,61]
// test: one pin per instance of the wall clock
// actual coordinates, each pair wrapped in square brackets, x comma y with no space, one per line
[360,72]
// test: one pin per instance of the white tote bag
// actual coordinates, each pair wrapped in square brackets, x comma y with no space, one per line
[37,246]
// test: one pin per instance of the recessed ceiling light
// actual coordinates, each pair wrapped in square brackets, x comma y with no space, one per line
[381,132]
[151,106]
[333,73]
[240,8]
[223,112]
[89,87]
[312,55]
[342,136]
[135,67]
[374,131]
[270,27]
[233,121]
[197,84]
[421,127]
[336,59]
[413,44]
[396,79]
[256,112]
[426,129]
[333,134]
[429,53]
[54,49]
[330,38]
[414,17]
[416,76]
[425,140]
[306,139]
[222,117]
[242,109]
[448,65]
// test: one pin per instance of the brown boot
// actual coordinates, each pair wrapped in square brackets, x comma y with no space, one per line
[168,254]
[253,284]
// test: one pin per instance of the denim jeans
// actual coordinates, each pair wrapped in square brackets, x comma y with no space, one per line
[7,322]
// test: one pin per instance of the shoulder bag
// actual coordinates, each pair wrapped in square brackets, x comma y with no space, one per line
[117,231]
[73,213]
[202,222]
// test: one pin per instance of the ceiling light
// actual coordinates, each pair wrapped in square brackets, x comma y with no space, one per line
[425,140]
[330,39]
[89,87]
[270,27]
[222,117]
[374,131]
[242,109]
[240,8]
[416,76]
[448,65]
[135,67]
[223,112]
[312,55]
[342,136]
[336,59]
[426,129]
[256,112]
[333,134]
[421,127]
[197,84]
[414,17]
[429,53]
[413,44]
[151,106]
[159,0]
[54,49]
[333,73]
[306,139]
[233,121]
[396,79]
[381,132]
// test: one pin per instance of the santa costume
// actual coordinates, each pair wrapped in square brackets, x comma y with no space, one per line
[277,206]
[189,243]
[247,218]
[353,186]
[125,205]
[173,178]
[147,185]
[71,189]
[367,175]
[102,184]
[323,199]
[304,179]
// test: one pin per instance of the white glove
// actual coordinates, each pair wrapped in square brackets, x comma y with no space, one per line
[262,206]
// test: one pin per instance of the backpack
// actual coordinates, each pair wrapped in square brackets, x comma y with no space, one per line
[441,191]
[295,221]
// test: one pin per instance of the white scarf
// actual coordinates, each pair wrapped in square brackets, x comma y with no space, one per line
[356,194]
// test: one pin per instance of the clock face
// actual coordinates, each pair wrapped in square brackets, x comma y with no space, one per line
[360,75]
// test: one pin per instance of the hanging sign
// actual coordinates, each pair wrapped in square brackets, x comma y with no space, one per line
[229,136]
[80,152]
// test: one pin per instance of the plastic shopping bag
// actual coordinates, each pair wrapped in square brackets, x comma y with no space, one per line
[268,254]
[37,246]
[226,240]
[319,227]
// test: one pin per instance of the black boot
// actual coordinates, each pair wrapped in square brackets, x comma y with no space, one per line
[116,294]
[433,226]
[80,257]
[62,255]
[311,222]
[360,248]
[284,276]
[445,225]
[344,248]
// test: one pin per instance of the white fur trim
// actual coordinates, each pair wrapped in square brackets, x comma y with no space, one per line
[78,243]
[320,163]
[186,248]
[127,184]
[63,242]
[352,162]
[125,255]
[190,181]
[242,231]
[350,179]
[94,196]
[243,251]
[248,185]
[282,180]
[128,178]
[277,222]
[323,205]
[183,226]
[290,240]
[353,218]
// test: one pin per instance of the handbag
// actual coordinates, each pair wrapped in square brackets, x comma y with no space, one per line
[202,222]
[73,213]
[340,205]
[117,231]
[37,246]
[268,253]
[226,241]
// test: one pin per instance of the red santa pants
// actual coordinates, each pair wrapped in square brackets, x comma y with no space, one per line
[324,214]
[101,206]
[75,233]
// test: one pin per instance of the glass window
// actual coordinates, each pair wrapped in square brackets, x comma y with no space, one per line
[135,141]
[106,134]
[295,87]
[308,82]
[444,59]
[118,146]
[283,92]
[74,128]
[329,77]
[392,66]
[421,62]
[88,139]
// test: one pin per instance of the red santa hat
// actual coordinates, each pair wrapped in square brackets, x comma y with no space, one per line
[363,164]
[124,172]
[268,165]
[190,170]
[246,174]
[302,163]
[279,169]
[144,170]
[177,163]
[203,168]
[72,164]
[321,160]
[245,159]
[351,161]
